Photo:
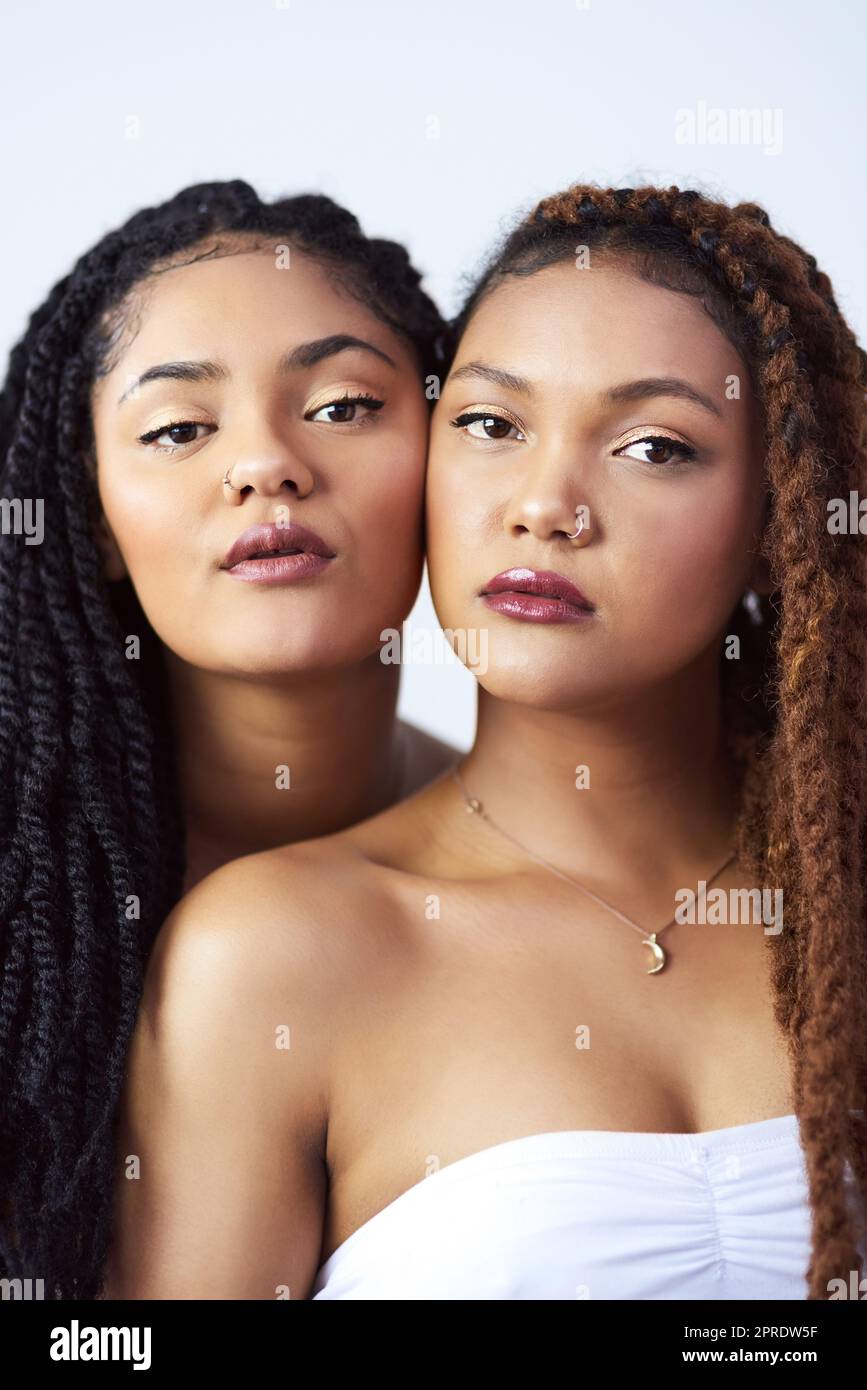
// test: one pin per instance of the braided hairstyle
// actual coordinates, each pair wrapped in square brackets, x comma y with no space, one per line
[795,701]
[91,829]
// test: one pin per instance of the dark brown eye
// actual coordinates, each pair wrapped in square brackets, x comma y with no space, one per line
[659,449]
[488,426]
[181,434]
[345,410]
[174,435]
[495,426]
[341,412]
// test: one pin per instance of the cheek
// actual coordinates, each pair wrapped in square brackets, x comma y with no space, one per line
[388,544]
[383,499]
[156,519]
[677,569]
[161,524]
[460,522]
[465,496]
[381,511]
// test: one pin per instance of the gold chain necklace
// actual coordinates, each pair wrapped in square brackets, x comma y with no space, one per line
[650,938]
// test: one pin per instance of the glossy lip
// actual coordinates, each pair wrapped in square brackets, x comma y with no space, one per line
[540,596]
[248,559]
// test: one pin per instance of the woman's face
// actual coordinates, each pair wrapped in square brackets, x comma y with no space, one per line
[558,383]
[250,363]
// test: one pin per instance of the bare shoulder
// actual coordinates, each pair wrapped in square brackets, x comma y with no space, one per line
[228,1074]
[272,919]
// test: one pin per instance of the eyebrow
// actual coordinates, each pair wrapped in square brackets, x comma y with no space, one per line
[661,386]
[304,356]
[495,375]
[642,389]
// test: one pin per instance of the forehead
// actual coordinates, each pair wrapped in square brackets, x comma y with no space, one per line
[605,322]
[252,301]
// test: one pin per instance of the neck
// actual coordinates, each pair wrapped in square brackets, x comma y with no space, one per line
[661,798]
[264,763]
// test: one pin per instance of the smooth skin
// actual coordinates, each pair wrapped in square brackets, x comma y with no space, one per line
[432,975]
[265,677]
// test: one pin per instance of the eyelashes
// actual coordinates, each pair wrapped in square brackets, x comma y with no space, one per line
[495,426]
[152,436]
[346,406]
[347,403]
[658,442]
[486,418]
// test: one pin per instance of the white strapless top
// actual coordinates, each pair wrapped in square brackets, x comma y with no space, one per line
[598,1214]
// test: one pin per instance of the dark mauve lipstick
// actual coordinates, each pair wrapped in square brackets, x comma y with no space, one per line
[536,596]
[275,554]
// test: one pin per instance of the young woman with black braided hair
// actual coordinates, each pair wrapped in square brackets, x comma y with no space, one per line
[560,975]
[218,379]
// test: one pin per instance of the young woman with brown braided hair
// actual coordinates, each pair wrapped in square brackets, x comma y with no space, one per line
[218,381]
[652,401]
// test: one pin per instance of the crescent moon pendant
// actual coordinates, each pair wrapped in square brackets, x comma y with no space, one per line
[658,954]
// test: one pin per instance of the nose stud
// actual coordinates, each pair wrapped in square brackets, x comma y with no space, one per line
[229,485]
[581,516]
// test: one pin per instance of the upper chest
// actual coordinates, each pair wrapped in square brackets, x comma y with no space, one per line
[500,1014]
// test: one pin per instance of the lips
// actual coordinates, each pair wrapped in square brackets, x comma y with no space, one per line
[274,554]
[544,584]
[271,539]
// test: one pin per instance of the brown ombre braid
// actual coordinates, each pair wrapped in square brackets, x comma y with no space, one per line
[795,707]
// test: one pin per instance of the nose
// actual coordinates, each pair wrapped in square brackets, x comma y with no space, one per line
[269,467]
[550,501]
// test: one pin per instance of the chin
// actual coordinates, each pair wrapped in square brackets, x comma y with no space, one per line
[325,647]
[539,686]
